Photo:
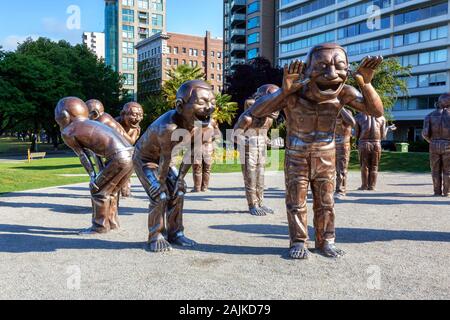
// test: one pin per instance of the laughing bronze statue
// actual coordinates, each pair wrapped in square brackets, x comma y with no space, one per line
[370,131]
[251,135]
[436,131]
[202,164]
[312,97]
[130,118]
[344,124]
[165,186]
[85,136]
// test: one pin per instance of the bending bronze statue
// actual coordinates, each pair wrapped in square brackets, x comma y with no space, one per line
[344,124]
[436,131]
[201,168]
[370,131]
[251,135]
[312,97]
[130,118]
[85,136]
[164,185]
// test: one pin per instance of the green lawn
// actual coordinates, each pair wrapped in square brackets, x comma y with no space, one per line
[47,172]
[10,145]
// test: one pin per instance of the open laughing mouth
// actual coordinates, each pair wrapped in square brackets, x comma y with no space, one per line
[204,119]
[330,87]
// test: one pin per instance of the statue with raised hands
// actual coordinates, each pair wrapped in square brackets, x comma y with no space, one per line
[436,131]
[312,96]
[250,134]
[164,184]
[85,137]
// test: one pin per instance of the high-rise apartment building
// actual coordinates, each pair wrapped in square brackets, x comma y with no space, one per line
[415,31]
[126,23]
[164,51]
[248,31]
[96,42]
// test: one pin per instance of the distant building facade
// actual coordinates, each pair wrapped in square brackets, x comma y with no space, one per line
[164,51]
[96,42]
[126,23]
[249,31]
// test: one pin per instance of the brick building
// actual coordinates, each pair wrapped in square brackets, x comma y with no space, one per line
[164,51]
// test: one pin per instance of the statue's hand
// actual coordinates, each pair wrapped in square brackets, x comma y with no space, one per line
[292,78]
[392,127]
[180,187]
[366,71]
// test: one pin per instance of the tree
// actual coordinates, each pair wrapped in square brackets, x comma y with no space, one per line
[154,106]
[177,76]
[39,73]
[247,78]
[225,109]
[389,81]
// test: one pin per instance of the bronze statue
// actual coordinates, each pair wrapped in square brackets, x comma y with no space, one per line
[311,100]
[164,185]
[436,131]
[130,118]
[251,133]
[202,164]
[370,131]
[344,124]
[84,136]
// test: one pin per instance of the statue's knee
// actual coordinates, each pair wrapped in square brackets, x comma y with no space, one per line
[297,209]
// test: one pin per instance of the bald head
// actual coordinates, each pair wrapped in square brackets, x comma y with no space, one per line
[444,101]
[322,47]
[184,93]
[68,109]
[265,90]
[96,108]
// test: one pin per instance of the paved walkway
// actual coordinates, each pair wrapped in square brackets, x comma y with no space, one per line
[397,242]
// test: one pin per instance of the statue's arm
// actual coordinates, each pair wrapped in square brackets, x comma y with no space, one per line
[86,162]
[271,103]
[384,129]
[367,101]
[348,118]
[426,132]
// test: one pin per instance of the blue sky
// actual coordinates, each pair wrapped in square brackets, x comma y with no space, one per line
[32,18]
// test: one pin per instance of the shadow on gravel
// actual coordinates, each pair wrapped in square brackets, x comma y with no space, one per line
[344,235]
[238,250]
[23,239]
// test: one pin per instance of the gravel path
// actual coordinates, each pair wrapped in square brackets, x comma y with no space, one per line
[397,242]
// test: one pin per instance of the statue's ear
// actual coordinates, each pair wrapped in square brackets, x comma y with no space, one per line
[179,105]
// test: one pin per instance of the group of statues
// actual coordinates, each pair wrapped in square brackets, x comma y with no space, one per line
[318,127]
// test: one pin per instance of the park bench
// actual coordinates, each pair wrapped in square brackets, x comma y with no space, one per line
[36,155]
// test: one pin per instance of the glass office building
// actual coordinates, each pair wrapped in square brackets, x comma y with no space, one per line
[415,31]
[126,23]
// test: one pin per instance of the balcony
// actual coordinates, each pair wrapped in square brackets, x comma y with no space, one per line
[237,47]
[239,32]
[238,4]
[236,61]
[238,18]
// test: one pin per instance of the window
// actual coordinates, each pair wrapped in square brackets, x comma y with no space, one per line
[306,8]
[362,28]
[191,63]
[368,46]
[195,53]
[253,53]
[129,3]
[169,49]
[129,79]
[421,14]
[308,25]
[127,47]
[127,64]
[175,50]
[219,77]
[219,66]
[157,5]
[253,23]
[361,9]
[168,61]
[191,52]
[219,54]
[253,7]
[212,76]
[184,61]
[143,4]
[212,65]
[203,53]
[175,62]
[424,58]
[253,38]
[127,15]
[184,50]
[308,42]
[128,32]
[157,20]
[213,54]
[421,36]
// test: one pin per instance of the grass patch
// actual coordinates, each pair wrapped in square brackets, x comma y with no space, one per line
[47,172]
[9,145]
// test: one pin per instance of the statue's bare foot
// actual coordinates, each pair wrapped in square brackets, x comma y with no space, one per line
[372,189]
[330,251]
[160,245]
[339,196]
[363,188]
[267,210]
[196,190]
[205,189]
[257,211]
[183,241]
[299,251]
[438,194]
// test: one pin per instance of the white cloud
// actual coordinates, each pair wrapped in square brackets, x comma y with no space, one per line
[10,42]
